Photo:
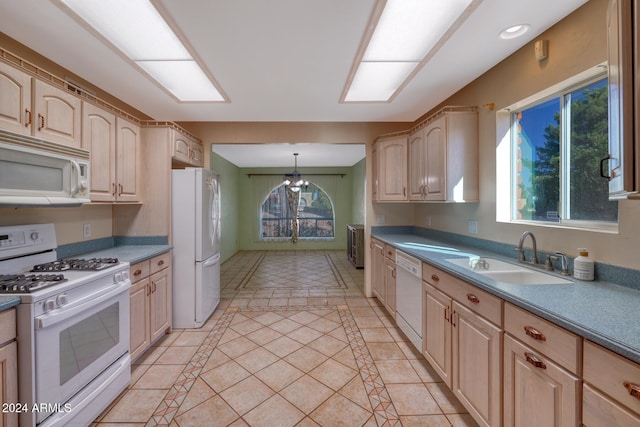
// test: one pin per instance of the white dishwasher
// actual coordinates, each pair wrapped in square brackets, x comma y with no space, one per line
[409,297]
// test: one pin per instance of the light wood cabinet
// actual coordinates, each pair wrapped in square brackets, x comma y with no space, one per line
[15,100]
[541,368]
[383,276]
[612,388]
[537,391]
[186,151]
[114,146]
[443,163]
[624,119]
[33,107]
[374,172]
[8,366]
[150,302]
[392,169]
[464,348]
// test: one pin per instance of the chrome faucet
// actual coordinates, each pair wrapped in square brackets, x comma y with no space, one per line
[520,249]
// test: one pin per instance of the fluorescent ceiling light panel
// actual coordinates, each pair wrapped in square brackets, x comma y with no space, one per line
[193,84]
[138,30]
[376,81]
[406,32]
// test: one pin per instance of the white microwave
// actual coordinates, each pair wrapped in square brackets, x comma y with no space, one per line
[40,173]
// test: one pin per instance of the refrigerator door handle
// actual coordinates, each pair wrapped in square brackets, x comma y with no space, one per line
[212,261]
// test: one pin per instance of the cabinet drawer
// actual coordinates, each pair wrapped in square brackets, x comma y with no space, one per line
[160,262]
[613,374]
[139,270]
[477,300]
[390,252]
[545,337]
[7,325]
[600,411]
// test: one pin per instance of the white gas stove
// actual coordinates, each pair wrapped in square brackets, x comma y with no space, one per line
[73,327]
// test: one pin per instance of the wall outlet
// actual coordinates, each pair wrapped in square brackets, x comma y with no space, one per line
[86,231]
[429,220]
[473,227]
[381,219]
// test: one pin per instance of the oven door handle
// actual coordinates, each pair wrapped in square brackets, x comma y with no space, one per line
[58,315]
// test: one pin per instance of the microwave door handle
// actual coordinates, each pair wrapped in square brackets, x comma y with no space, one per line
[76,188]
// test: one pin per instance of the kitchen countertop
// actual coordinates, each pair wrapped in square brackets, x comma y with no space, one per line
[129,253]
[602,312]
[7,302]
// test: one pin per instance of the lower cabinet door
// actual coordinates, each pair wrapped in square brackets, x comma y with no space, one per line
[139,307]
[599,410]
[160,302]
[436,331]
[537,391]
[477,365]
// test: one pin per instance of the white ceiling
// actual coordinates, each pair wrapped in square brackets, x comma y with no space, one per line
[281,155]
[279,60]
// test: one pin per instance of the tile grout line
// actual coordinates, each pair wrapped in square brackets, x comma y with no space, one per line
[167,409]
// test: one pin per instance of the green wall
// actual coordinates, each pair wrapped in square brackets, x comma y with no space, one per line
[241,198]
[229,203]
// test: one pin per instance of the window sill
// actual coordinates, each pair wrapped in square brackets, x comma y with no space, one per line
[569,225]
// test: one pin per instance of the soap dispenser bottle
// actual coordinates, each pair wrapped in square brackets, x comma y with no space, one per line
[583,266]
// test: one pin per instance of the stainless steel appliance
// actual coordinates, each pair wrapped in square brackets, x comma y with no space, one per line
[73,328]
[195,229]
[409,297]
[40,173]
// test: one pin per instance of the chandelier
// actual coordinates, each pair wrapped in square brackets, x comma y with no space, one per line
[293,181]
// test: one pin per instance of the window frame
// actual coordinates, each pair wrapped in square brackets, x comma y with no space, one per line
[300,237]
[505,158]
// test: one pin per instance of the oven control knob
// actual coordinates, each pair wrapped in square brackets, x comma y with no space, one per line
[62,300]
[49,305]
[34,235]
[118,277]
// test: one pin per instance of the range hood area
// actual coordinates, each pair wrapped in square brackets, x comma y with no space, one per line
[37,173]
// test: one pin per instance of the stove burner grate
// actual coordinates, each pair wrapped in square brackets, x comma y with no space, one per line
[93,264]
[27,283]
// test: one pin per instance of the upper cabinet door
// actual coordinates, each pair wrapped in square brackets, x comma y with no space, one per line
[57,116]
[623,155]
[392,174]
[435,138]
[128,160]
[16,114]
[99,137]
[416,166]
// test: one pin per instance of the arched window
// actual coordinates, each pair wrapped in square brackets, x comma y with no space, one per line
[315,215]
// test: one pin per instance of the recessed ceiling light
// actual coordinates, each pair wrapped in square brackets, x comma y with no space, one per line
[404,33]
[514,31]
[138,30]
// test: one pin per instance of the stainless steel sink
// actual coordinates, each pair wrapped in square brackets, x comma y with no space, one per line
[506,272]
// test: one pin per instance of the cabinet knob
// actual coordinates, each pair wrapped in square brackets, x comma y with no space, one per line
[634,389]
[534,333]
[161,262]
[533,359]
[474,299]
[137,272]
[435,278]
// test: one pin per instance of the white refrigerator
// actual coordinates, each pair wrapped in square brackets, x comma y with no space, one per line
[195,230]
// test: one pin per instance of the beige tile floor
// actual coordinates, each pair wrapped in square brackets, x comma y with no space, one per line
[293,343]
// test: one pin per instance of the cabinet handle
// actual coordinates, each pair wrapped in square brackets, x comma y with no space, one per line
[113,193]
[435,278]
[389,253]
[446,314]
[121,189]
[534,333]
[404,191]
[533,359]
[161,262]
[137,272]
[153,287]
[393,273]
[29,117]
[634,389]
[474,299]
[453,318]
[148,290]
[41,119]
